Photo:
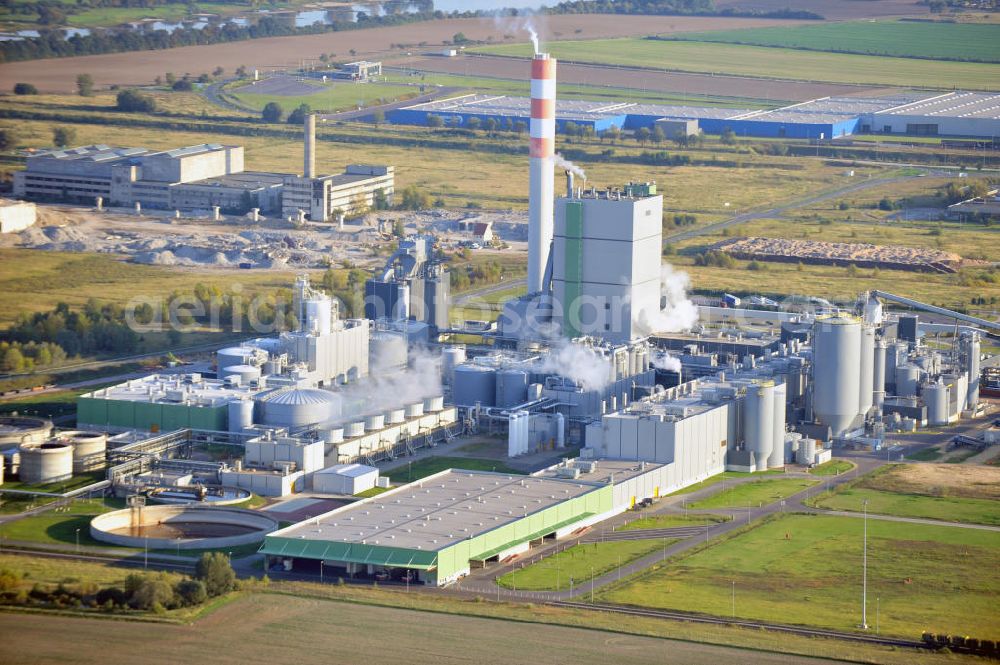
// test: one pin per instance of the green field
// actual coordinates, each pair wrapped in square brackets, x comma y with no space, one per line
[832,468]
[722,478]
[754,493]
[944,41]
[329,97]
[673,521]
[427,466]
[60,525]
[579,562]
[767,62]
[805,569]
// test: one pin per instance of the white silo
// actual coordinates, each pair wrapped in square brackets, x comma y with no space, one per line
[451,357]
[319,315]
[867,372]
[907,379]
[777,456]
[240,415]
[878,374]
[936,398]
[758,422]
[972,349]
[836,371]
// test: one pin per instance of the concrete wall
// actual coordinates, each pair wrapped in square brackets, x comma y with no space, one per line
[102,525]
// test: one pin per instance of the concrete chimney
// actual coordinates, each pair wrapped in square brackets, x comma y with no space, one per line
[569,184]
[541,173]
[309,168]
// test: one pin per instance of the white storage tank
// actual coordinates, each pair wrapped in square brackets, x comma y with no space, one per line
[474,384]
[89,449]
[867,374]
[319,315]
[758,421]
[387,351]
[512,388]
[236,355]
[451,357]
[300,407]
[777,457]
[973,349]
[936,398]
[48,462]
[878,373]
[791,446]
[907,379]
[837,371]
[806,454]
[247,374]
[240,415]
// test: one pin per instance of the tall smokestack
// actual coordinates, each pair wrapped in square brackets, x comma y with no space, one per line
[309,167]
[542,177]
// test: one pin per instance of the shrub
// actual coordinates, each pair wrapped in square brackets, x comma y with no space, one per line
[272,112]
[135,102]
[111,597]
[184,85]
[154,591]
[25,89]
[214,569]
[191,592]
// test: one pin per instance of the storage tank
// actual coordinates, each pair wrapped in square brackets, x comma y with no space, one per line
[878,374]
[319,315]
[434,404]
[896,355]
[395,416]
[415,410]
[512,388]
[89,449]
[240,415]
[15,430]
[387,351]
[248,374]
[806,454]
[300,407]
[973,350]
[936,398]
[836,371]
[474,384]
[777,457]
[451,357]
[236,355]
[791,446]
[867,375]
[354,429]
[48,462]
[272,367]
[560,431]
[758,421]
[374,422]
[907,379]
[959,391]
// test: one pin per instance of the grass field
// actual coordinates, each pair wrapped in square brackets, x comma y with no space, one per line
[832,468]
[60,525]
[806,569]
[946,41]
[427,466]
[770,63]
[722,478]
[963,494]
[579,562]
[329,97]
[754,493]
[673,521]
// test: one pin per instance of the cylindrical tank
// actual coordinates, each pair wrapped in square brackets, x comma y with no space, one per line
[512,388]
[300,407]
[791,446]
[936,398]
[334,435]
[973,350]
[878,374]
[272,367]
[807,451]
[15,430]
[88,449]
[959,391]
[896,354]
[48,462]
[415,410]
[777,456]
[836,371]
[387,351]
[395,416]
[354,429]
[560,431]
[319,316]
[451,357]
[240,415]
[235,355]
[867,372]
[759,421]
[907,379]
[474,384]
[434,404]
[247,374]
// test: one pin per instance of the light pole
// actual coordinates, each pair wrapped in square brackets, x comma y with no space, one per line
[77,541]
[145,552]
[591,585]
[878,600]
[321,571]
[864,571]
[748,511]
[734,599]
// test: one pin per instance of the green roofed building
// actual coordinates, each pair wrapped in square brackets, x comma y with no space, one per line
[437,529]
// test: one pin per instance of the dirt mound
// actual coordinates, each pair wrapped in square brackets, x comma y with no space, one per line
[969,482]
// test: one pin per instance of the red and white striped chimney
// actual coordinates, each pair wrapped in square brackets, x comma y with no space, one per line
[541,179]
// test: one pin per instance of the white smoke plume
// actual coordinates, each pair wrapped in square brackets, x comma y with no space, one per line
[580,364]
[567,165]
[392,388]
[679,313]
[525,22]
[667,362]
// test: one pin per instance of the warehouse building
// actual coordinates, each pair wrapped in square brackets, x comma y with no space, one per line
[950,114]
[439,528]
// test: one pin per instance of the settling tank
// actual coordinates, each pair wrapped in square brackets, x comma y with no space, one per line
[836,371]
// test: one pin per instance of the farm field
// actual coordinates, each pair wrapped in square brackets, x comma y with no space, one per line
[427,466]
[948,41]
[754,493]
[805,569]
[932,491]
[771,63]
[579,562]
[327,98]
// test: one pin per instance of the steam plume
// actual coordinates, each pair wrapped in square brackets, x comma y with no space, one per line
[580,364]
[567,165]
[678,313]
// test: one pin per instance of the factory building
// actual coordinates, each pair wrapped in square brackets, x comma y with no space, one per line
[414,285]
[951,114]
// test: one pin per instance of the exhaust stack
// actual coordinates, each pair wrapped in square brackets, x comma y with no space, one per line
[541,170]
[309,167]
[569,184]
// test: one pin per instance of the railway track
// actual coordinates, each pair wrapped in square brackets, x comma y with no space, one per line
[774,627]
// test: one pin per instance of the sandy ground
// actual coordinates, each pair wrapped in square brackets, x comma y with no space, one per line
[271,629]
[157,238]
[640,79]
[960,480]
[141,67]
